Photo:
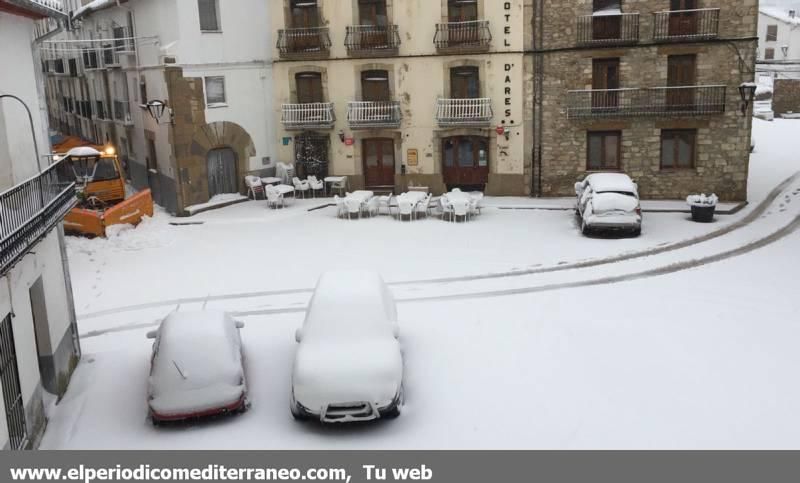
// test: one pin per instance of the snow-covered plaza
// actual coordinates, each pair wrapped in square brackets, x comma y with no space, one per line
[518,332]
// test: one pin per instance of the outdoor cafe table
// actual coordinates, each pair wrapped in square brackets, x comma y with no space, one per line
[331,180]
[271,180]
[362,196]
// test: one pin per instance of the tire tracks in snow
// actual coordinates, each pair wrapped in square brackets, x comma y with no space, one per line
[747,220]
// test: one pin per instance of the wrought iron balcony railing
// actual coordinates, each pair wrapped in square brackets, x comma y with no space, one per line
[368,115]
[652,102]
[616,29]
[464,112]
[315,115]
[124,41]
[473,36]
[304,42]
[376,40]
[29,211]
[685,25]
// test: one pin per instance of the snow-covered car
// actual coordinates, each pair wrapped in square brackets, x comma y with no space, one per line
[349,365]
[608,201]
[196,369]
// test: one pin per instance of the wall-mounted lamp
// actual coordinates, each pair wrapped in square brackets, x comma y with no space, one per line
[341,135]
[156,109]
[747,91]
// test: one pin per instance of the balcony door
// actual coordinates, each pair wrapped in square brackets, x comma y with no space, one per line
[465,161]
[372,13]
[605,82]
[378,162]
[304,15]
[309,87]
[683,18]
[459,11]
[606,20]
[681,71]
[465,83]
[375,86]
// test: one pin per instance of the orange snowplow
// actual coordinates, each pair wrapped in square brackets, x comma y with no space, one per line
[100,183]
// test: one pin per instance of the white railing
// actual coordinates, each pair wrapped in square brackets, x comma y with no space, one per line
[56,5]
[366,114]
[311,115]
[464,112]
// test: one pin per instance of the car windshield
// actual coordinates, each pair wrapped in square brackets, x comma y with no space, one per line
[624,193]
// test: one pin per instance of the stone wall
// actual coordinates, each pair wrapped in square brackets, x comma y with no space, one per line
[786,96]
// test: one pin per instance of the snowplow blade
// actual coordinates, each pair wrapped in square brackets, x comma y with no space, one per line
[130,211]
[94,222]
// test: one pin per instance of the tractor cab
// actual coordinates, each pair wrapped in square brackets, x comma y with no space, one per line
[97,174]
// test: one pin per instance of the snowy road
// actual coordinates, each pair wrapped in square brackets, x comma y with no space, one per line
[518,333]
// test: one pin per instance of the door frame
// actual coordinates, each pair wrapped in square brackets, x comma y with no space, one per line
[379,141]
[482,171]
[236,174]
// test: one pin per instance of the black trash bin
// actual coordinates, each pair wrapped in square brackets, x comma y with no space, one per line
[704,213]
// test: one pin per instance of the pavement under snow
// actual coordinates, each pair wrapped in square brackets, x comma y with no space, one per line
[517,331]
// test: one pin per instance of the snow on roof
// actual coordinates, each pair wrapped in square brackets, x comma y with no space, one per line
[780,14]
[351,299]
[83,151]
[93,6]
[611,182]
[44,8]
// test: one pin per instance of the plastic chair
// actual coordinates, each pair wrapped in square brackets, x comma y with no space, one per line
[340,207]
[300,186]
[315,185]
[254,186]
[461,208]
[353,207]
[423,206]
[373,206]
[447,208]
[274,197]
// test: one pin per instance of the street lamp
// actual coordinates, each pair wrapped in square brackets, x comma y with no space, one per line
[156,109]
[747,91]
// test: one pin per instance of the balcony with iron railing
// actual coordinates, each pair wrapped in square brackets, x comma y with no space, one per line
[646,102]
[686,25]
[313,115]
[29,211]
[464,112]
[372,40]
[463,37]
[373,114]
[124,42]
[304,43]
[608,29]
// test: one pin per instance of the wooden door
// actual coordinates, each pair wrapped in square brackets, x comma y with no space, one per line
[375,86]
[459,11]
[681,71]
[309,87]
[465,161]
[221,164]
[464,83]
[605,81]
[372,13]
[378,162]
[608,26]
[683,17]
[304,15]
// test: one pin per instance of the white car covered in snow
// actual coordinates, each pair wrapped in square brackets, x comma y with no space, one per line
[609,201]
[348,366]
[196,367]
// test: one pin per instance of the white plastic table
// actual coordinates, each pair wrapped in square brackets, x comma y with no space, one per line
[271,180]
[330,180]
[362,196]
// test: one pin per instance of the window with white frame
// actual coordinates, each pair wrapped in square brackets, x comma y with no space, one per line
[209,15]
[215,91]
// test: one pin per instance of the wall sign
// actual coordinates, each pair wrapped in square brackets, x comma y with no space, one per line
[413,157]
[507,28]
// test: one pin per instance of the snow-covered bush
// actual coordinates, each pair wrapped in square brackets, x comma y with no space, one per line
[702,200]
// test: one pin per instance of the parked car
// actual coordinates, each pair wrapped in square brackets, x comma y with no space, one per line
[196,369]
[349,365]
[609,201]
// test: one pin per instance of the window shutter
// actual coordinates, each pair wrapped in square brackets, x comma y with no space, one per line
[215,90]
[208,14]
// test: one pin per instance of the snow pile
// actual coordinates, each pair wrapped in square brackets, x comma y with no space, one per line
[763,90]
[702,200]
[216,200]
[151,233]
[611,202]
[93,6]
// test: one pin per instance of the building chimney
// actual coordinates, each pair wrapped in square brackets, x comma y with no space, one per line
[792,13]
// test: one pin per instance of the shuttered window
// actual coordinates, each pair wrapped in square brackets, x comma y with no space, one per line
[215,90]
[209,15]
[678,148]
[772,33]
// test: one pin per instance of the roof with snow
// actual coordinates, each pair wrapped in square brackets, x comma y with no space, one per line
[780,14]
[34,8]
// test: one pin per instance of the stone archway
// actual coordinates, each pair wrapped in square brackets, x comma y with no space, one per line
[210,137]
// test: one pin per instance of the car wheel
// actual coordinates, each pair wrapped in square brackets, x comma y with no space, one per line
[296,413]
[156,422]
[584,228]
[637,232]
[392,413]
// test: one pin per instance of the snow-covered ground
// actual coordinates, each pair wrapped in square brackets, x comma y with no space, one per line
[517,331]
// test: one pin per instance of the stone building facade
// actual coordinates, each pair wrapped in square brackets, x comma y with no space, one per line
[786,96]
[647,87]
